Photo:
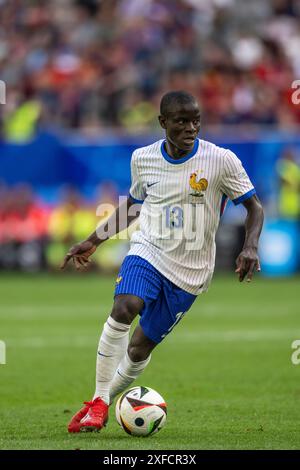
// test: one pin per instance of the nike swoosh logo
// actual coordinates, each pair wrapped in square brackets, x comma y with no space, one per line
[85,418]
[151,184]
[101,354]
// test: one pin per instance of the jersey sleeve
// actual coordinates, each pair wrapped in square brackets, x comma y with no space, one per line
[136,191]
[235,183]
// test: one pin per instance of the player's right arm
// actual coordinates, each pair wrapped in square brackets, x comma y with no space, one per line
[118,221]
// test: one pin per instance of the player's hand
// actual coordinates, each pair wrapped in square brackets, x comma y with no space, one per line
[246,263]
[80,254]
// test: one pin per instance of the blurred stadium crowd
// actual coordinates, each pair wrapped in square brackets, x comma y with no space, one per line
[35,235]
[95,64]
[100,67]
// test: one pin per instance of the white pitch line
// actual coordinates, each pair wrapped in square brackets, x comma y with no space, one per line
[43,342]
[241,335]
[209,311]
[41,310]
[187,336]
[238,311]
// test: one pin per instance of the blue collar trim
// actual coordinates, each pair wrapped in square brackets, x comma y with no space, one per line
[179,160]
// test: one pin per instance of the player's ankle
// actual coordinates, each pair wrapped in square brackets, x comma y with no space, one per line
[102,397]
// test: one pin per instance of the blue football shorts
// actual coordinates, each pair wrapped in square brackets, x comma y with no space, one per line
[164,303]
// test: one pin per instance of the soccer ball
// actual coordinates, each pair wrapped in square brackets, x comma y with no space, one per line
[141,411]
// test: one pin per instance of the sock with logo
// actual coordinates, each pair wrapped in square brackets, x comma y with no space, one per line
[112,347]
[126,373]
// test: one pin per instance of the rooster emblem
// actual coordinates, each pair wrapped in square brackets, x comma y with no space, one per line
[198,186]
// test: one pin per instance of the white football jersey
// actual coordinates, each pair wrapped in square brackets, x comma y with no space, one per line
[182,204]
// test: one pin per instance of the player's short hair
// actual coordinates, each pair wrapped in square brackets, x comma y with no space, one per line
[175,97]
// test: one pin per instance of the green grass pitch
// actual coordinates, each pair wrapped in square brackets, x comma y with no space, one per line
[225,371]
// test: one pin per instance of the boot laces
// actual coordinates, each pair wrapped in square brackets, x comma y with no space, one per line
[96,407]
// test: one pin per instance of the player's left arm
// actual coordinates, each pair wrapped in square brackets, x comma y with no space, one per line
[248,261]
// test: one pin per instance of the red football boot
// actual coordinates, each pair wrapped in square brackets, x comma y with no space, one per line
[96,417]
[74,424]
[91,417]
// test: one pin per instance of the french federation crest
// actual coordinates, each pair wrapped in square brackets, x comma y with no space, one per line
[197,196]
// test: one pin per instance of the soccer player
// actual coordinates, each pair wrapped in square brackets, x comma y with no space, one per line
[181,184]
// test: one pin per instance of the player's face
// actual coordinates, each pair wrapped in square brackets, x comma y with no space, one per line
[182,126]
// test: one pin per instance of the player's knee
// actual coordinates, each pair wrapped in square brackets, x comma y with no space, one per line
[125,310]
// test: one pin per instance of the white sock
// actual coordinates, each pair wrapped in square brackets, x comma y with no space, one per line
[112,347]
[126,373]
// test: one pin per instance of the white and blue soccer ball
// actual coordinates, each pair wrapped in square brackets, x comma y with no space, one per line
[141,411]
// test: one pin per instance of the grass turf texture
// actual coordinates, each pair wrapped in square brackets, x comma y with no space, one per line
[225,371]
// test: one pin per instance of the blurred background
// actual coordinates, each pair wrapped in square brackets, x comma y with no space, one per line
[83,81]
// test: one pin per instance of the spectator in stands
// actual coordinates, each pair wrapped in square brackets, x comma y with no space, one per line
[75,64]
[289,192]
